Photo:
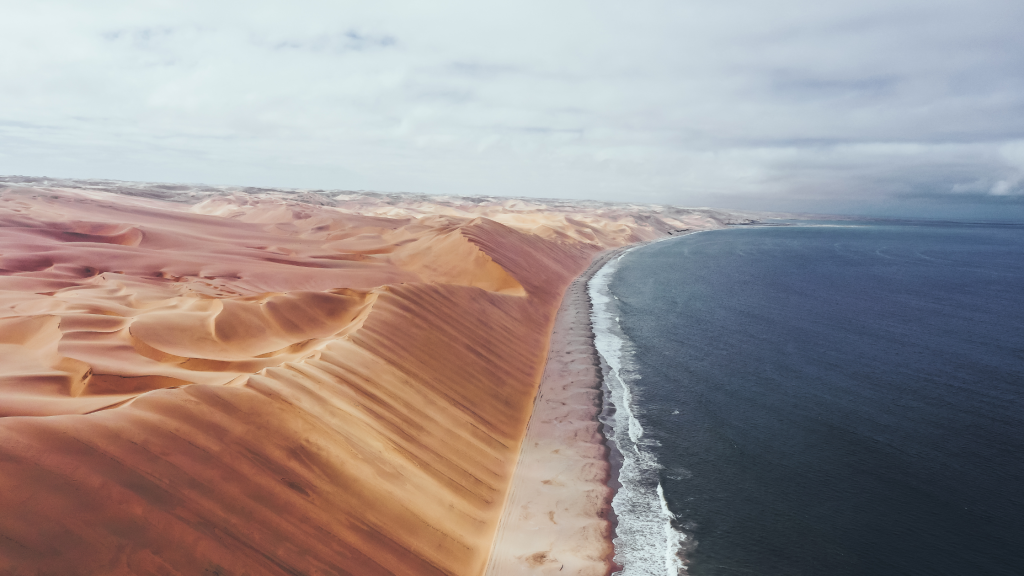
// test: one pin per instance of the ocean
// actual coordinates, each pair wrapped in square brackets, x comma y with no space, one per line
[817,399]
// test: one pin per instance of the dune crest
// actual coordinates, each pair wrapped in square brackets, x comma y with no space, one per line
[274,382]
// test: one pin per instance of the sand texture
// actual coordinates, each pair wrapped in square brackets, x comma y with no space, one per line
[556,518]
[227,381]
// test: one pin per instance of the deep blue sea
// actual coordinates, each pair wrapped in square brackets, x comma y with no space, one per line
[818,400]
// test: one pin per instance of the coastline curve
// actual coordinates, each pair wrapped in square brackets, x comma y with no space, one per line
[646,542]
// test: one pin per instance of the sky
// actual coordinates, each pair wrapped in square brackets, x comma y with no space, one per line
[885,107]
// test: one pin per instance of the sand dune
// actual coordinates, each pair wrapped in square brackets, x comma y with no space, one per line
[274,382]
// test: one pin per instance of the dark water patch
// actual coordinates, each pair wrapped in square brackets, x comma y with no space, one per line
[835,400]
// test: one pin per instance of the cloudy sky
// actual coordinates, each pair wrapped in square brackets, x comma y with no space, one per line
[875,106]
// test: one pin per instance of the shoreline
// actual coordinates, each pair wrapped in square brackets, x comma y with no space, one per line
[648,537]
[607,415]
[558,516]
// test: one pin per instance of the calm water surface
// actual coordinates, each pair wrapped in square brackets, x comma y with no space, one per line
[824,400]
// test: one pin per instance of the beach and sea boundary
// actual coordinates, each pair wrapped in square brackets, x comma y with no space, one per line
[559,516]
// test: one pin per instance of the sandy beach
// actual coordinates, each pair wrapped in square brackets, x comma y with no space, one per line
[556,518]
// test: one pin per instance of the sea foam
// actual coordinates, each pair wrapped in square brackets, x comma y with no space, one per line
[646,542]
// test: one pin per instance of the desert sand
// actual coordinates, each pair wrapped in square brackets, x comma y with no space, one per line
[199,380]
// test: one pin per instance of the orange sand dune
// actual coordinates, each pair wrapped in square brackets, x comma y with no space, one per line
[273,383]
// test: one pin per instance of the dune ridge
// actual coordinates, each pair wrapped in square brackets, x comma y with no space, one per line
[274,382]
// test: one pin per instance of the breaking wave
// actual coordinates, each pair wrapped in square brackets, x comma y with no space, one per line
[646,541]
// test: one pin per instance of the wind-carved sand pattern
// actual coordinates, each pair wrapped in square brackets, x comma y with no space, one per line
[556,518]
[203,380]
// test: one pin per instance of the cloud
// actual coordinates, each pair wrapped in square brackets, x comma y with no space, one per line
[668,101]
[1013,183]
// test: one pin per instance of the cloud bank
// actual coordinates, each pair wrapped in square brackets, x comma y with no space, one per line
[871,105]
